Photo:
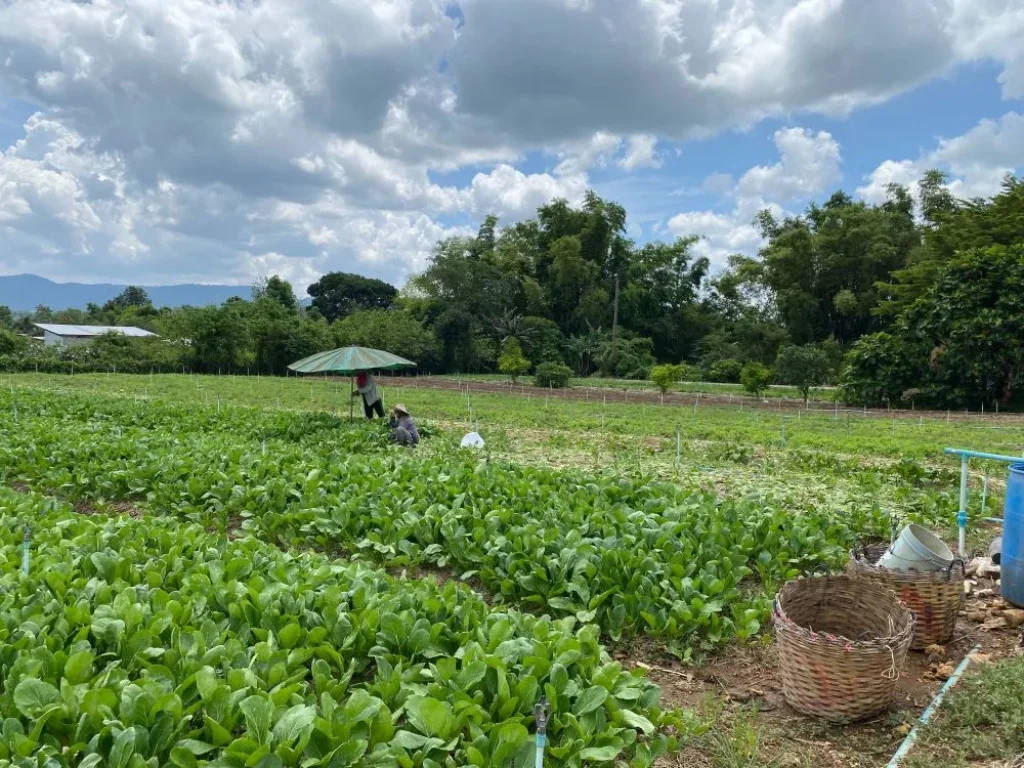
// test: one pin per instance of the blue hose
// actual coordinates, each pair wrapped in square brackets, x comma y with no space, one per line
[932,708]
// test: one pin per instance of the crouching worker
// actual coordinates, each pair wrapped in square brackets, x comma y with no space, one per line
[403,428]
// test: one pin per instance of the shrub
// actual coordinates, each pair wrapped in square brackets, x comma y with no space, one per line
[725,371]
[755,378]
[512,363]
[803,367]
[664,376]
[554,375]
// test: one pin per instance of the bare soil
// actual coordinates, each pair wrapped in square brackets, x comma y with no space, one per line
[742,682]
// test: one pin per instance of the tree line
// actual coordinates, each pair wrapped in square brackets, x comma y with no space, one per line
[916,299]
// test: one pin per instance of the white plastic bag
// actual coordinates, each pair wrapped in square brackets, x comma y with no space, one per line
[473,440]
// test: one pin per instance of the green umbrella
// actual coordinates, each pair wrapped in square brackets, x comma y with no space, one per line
[350,361]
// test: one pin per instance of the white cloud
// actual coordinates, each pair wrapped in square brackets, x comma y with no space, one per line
[595,152]
[178,139]
[641,153]
[808,163]
[977,161]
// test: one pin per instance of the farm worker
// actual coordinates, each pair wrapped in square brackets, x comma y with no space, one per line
[403,428]
[366,385]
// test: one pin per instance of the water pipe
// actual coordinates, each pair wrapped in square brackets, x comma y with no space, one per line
[24,556]
[540,716]
[961,516]
[965,456]
[931,710]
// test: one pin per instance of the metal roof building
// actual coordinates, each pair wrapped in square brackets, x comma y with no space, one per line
[55,333]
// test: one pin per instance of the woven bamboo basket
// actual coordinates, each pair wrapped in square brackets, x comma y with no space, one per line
[841,642]
[934,597]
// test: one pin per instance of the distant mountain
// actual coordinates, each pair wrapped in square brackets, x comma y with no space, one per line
[26,292]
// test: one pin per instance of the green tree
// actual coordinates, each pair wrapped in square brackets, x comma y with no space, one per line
[803,367]
[338,294]
[825,267]
[512,363]
[131,296]
[626,358]
[664,376]
[278,290]
[879,369]
[755,378]
[396,331]
[970,325]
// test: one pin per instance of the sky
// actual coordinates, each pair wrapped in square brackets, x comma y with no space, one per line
[166,141]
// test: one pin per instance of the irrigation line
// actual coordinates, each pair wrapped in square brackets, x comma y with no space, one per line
[931,710]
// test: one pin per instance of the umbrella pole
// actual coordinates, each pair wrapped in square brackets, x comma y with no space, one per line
[352,399]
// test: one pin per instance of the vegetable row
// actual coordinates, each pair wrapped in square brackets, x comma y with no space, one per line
[152,642]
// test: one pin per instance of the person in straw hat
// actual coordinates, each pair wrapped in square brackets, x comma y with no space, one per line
[403,428]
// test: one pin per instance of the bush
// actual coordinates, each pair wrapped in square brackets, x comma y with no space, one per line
[755,378]
[554,375]
[803,367]
[664,376]
[624,358]
[725,371]
[512,363]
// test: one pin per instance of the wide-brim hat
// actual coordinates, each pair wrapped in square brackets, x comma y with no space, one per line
[400,408]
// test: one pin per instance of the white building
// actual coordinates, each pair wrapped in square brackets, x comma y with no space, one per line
[67,335]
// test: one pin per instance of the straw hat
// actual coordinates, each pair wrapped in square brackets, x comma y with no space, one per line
[400,408]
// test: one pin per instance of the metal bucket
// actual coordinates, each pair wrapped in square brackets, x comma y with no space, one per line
[917,549]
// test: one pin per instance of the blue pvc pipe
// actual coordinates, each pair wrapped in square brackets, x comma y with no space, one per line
[982,455]
[539,762]
[932,708]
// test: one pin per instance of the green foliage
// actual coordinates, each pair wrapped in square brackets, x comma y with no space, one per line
[395,331]
[625,358]
[970,324]
[512,363]
[629,555]
[338,294]
[755,378]
[664,376]
[542,340]
[803,367]
[163,644]
[981,721]
[555,375]
[878,370]
[277,290]
[823,267]
[11,343]
[725,371]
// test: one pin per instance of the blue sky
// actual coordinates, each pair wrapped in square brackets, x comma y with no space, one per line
[186,140]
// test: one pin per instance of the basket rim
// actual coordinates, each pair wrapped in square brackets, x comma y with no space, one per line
[865,558]
[782,620]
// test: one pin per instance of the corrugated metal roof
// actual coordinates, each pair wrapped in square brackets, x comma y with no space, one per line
[91,330]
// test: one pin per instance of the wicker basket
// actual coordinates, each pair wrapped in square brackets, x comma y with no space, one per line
[842,643]
[934,597]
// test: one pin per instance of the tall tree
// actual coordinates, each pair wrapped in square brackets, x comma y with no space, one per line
[338,294]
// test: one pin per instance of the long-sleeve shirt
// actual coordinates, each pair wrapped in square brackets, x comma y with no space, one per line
[369,390]
[406,423]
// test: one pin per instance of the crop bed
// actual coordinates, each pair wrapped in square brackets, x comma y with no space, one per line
[135,643]
[629,555]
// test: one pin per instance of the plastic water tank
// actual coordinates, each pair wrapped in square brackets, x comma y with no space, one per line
[1013,538]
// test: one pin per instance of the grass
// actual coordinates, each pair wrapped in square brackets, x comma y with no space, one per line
[981,720]
[780,391]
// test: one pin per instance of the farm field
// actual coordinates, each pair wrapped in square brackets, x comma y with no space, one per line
[226,570]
